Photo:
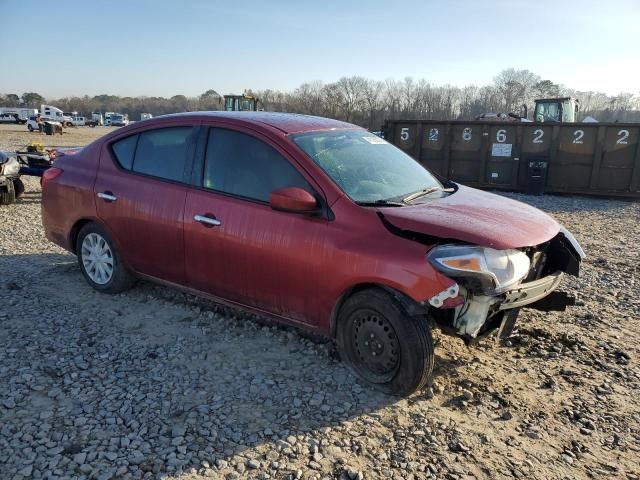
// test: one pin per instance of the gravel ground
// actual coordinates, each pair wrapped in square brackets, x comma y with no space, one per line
[14,136]
[155,383]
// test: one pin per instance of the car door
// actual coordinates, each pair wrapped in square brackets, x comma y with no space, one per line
[141,191]
[236,246]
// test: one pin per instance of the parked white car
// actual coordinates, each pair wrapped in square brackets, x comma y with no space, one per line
[32,125]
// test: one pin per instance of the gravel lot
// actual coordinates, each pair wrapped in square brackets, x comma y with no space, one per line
[155,383]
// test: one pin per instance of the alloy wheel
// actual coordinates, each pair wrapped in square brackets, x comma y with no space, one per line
[97,258]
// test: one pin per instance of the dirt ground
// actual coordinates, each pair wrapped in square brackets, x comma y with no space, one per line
[14,136]
[155,383]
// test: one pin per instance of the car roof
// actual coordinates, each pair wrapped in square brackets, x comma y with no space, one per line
[285,122]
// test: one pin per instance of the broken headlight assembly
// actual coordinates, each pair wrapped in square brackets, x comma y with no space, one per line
[494,270]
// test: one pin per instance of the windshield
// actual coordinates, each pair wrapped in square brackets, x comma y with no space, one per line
[366,167]
[547,112]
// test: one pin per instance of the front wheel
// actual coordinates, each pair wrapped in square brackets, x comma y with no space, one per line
[8,197]
[99,261]
[386,347]
[18,187]
[30,128]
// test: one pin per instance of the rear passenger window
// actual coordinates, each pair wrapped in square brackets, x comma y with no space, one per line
[242,165]
[163,153]
[124,150]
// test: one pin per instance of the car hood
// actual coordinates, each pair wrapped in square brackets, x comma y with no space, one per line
[475,217]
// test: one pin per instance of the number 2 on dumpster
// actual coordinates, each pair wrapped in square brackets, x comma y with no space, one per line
[624,135]
[578,134]
[537,136]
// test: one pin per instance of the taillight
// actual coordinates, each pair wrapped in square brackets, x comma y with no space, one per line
[49,174]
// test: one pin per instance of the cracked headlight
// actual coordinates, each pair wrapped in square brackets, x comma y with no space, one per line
[496,270]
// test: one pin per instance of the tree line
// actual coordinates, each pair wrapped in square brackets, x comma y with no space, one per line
[369,102]
[132,106]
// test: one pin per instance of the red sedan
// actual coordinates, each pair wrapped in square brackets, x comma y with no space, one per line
[314,222]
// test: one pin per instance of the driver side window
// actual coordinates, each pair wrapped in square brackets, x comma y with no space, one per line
[241,165]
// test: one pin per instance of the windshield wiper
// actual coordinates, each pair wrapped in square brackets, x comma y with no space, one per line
[380,203]
[426,191]
[420,193]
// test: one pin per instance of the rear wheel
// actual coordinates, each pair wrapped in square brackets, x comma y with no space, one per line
[385,346]
[30,128]
[99,261]
[8,194]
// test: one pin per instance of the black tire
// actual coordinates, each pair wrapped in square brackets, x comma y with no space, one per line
[121,279]
[18,187]
[8,194]
[30,128]
[400,361]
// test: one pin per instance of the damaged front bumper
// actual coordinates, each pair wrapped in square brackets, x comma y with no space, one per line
[531,293]
[470,318]
[469,311]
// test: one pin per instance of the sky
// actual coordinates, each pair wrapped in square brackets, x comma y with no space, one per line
[169,47]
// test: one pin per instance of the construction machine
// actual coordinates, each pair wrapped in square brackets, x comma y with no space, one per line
[562,110]
[246,102]
[553,110]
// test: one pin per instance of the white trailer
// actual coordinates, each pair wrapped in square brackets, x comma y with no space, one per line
[97,118]
[16,114]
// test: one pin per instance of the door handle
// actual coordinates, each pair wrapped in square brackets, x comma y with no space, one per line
[207,221]
[108,196]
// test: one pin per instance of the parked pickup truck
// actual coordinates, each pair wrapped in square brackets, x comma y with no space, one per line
[78,121]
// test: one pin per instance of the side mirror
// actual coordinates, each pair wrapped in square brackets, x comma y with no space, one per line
[292,199]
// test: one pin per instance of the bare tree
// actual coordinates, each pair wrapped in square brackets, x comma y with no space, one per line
[369,102]
[408,96]
[352,94]
[373,96]
[516,87]
[546,89]
[392,95]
